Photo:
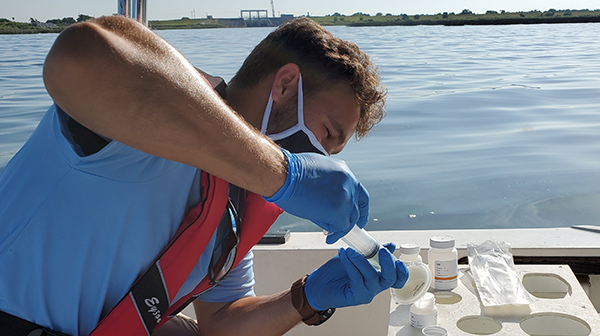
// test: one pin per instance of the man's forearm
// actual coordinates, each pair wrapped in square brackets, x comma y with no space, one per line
[123,82]
[271,315]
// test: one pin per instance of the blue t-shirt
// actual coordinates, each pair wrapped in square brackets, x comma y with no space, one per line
[76,231]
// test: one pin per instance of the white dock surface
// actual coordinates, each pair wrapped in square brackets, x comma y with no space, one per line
[575,304]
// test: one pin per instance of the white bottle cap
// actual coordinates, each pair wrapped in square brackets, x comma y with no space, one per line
[442,242]
[409,248]
[416,286]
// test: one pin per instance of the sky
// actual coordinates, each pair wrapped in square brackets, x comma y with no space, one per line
[43,10]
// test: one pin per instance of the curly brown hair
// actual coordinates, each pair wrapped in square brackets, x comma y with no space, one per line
[323,60]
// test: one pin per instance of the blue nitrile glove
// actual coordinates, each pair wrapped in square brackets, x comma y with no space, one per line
[325,191]
[401,270]
[349,280]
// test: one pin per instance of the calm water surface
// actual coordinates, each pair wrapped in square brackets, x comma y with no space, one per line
[487,126]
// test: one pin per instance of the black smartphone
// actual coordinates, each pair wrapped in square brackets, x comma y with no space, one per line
[275,237]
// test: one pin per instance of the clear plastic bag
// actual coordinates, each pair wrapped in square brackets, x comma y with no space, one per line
[491,264]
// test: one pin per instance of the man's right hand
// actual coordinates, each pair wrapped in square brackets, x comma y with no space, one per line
[325,191]
[348,279]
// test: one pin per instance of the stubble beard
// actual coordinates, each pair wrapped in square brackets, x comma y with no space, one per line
[283,117]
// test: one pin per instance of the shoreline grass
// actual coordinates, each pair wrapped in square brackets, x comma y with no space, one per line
[466,17]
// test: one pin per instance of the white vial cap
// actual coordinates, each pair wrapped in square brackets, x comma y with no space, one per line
[441,242]
[434,331]
[426,302]
[410,248]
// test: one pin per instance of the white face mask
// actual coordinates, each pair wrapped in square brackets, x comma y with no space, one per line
[298,138]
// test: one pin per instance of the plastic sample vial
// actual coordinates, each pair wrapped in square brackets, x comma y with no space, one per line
[443,262]
[410,252]
[424,313]
[364,244]
[419,275]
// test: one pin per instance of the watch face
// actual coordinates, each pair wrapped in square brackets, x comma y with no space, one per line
[326,314]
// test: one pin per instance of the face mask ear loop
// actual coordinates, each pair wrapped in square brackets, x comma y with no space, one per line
[300,102]
[309,133]
[267,115]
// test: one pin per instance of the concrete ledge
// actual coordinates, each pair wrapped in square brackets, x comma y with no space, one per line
[546,242]
[276,270]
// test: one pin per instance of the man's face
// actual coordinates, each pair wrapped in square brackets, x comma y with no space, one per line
[331,114]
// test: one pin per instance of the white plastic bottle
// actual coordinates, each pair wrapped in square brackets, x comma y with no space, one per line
[443,262]
[419,275]
[424,313]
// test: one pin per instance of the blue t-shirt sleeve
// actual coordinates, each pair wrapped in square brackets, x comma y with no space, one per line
[236,285]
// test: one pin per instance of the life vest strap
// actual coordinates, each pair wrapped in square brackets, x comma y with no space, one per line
[148,304]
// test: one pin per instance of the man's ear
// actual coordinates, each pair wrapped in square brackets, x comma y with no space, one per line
[285,84]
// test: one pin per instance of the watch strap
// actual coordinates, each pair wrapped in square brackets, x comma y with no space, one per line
[309,315]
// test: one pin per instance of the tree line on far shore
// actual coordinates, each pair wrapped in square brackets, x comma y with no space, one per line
[67,20]
[465,17]
[34,26]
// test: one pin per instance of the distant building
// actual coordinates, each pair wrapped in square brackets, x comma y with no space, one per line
[286,17]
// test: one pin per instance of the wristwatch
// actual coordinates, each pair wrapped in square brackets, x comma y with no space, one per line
[309,315]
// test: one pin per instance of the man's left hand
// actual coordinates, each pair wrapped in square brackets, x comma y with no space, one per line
[325,191]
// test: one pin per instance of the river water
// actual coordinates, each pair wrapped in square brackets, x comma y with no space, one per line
[486,127]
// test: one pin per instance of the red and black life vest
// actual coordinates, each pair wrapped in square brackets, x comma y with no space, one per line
[150,301]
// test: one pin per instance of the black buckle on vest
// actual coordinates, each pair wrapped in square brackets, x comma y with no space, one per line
[225,251]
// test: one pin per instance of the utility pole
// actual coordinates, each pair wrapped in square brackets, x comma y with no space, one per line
[273,8]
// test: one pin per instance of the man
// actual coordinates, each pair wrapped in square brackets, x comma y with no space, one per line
[141,188]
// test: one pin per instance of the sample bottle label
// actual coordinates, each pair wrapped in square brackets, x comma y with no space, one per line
[421,321]
[446,274]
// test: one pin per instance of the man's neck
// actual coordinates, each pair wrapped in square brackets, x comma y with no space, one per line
[250,103]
